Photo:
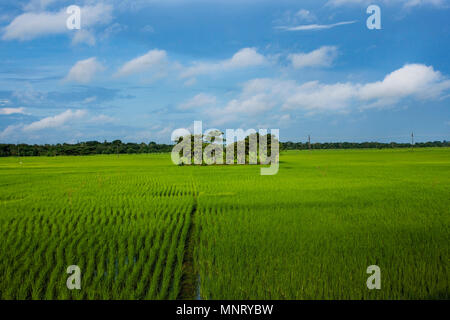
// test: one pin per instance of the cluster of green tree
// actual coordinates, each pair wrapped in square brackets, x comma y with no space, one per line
[356,145]
[118,147]
[211,148]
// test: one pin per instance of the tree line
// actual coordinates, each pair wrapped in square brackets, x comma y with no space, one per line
[360,145]
[119,147]
[82,148]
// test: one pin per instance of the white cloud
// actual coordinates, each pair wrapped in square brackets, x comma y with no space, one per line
[246,57]
[200,100]
[55,121]
[414,80]
[252,105]
[83,36]
[313,27]
[291,18]
[316,97]
[37,5]
[31,25]
[8,111]
[254,100]
[66,125]
[28,26]
[84,70]
[322,57]
[10,131]
[28,95]
[288,94]
[305,15]
[153,58]
[258,96]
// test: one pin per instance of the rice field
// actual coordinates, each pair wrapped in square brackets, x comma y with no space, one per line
[140,227]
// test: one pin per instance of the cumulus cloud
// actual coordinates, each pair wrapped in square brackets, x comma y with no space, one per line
[252,105]
[31,25]
[246,57]
[8,111]
[55,121]
[316,97]
[153,59]
[84,70]
[200,100]
[415,81]
[65,125]
[322,57]
[411,81]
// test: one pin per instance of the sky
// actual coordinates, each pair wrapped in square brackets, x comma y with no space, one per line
[136,70]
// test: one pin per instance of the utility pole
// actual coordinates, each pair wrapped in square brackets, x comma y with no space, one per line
[309,142]
[412,140]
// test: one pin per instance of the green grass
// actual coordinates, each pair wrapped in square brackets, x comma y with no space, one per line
[141,228]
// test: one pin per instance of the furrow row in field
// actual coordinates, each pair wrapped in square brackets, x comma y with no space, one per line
[128,238]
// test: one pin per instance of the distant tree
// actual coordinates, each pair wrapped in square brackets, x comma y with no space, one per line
[117,146]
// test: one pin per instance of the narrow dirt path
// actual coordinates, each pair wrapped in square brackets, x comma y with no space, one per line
[190,278]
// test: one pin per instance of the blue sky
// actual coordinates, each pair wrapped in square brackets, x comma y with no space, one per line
[137,70]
